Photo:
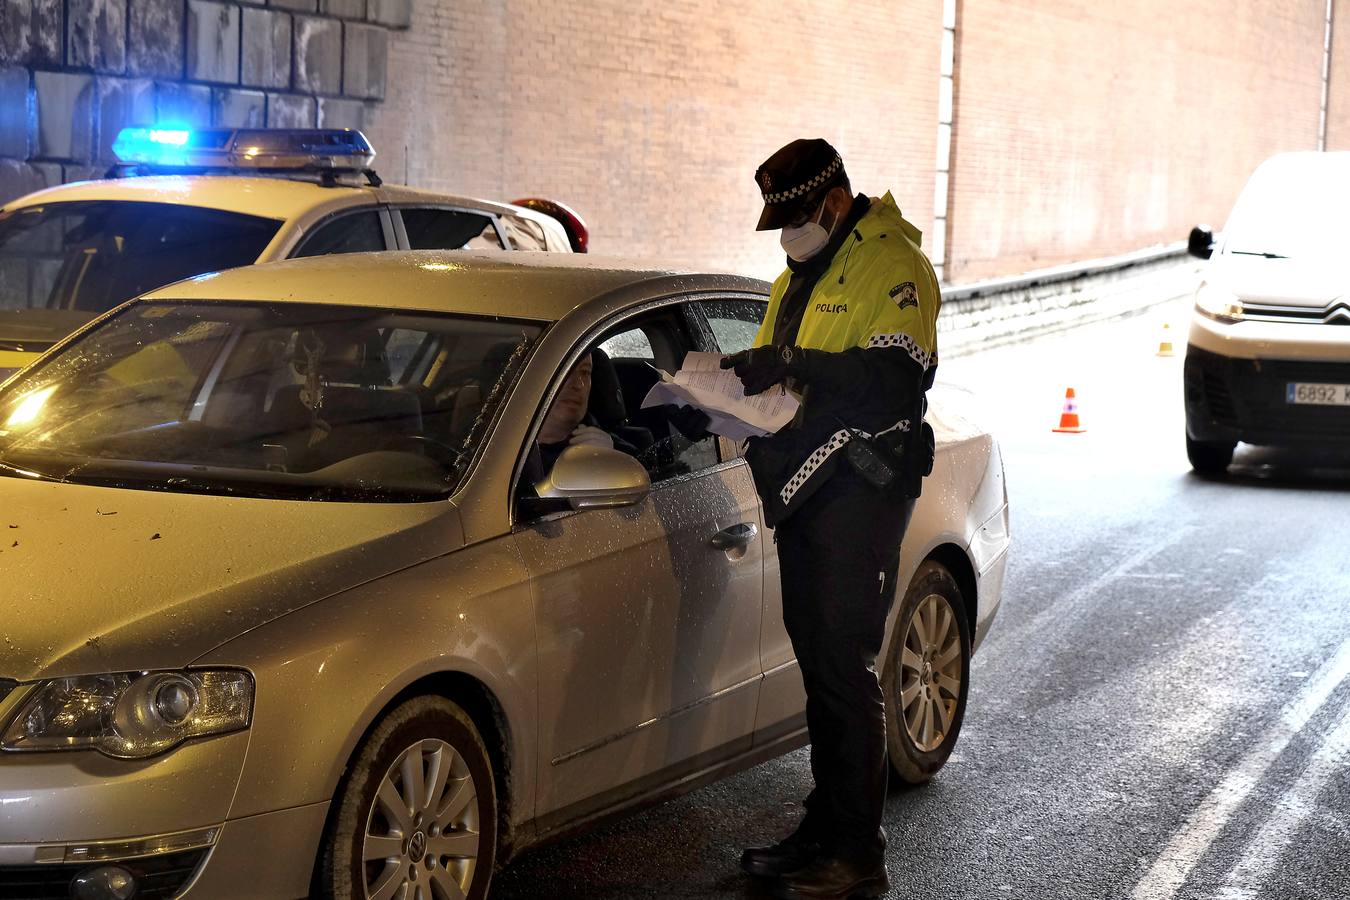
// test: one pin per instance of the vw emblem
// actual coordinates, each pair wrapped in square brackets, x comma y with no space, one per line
[417,847]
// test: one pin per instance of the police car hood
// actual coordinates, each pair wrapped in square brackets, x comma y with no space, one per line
[98,579]
[1288,282]
[38,329]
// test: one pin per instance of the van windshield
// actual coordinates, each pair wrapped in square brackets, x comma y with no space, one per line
[1295,210]
[89,256]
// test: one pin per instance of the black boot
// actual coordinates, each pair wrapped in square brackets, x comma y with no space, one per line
[834,878]
[788,855]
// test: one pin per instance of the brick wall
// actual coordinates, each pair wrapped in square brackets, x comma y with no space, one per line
[1082,130]
[1088,129]
[74,72]
[650,116]
[1338,98]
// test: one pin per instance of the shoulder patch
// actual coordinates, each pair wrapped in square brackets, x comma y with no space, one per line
[905,295]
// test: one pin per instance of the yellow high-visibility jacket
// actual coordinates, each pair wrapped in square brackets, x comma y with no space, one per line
[873,312]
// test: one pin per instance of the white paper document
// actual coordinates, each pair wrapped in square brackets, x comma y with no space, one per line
[703,383]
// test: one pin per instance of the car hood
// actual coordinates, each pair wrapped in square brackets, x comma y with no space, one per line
[98,579]
[1288,282]
[38,329]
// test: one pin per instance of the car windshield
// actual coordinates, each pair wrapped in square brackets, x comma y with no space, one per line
[302,401]
[91,256]
[1294,210]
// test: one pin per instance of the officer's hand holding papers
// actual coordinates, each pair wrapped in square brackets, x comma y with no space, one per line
[703,383]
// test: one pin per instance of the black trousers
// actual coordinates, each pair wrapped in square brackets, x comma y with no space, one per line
[838,557]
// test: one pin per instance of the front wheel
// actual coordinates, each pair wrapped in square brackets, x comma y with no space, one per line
[1209,457]
[416,816]
[927,675]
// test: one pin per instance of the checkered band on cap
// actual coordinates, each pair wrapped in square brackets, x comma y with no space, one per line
[807,187]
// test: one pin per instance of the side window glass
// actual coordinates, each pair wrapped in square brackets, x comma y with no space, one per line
[734,323]
[449,229]
[401,347]
[524,234]
[356,233]
[631,344]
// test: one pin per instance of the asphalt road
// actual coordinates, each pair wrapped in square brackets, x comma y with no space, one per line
[1162,709]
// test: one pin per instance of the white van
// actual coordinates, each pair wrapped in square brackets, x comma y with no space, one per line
[1268,358]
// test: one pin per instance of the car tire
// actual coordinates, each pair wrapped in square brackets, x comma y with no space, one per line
[418,805]
[930,650]
[1209,457]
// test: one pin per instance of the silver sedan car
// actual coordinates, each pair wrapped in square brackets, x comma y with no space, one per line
[292,608]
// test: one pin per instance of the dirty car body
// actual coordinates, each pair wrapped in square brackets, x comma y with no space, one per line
[251,516]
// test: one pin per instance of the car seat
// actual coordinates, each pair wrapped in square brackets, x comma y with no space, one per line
[606,404]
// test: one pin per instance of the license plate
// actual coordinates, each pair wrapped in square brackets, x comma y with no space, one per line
[1318,394]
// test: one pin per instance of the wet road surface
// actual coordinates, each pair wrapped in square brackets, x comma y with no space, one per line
[1162,709]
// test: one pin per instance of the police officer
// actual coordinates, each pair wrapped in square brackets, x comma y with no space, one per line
[852,329]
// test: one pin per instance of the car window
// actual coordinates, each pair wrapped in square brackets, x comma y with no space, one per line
[733,323]
[631,343]
[93,255]
[297,401]
[629,362]
[523,233]
[449,229]
[352,233]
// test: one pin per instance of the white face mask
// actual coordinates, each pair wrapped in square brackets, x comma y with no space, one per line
[801,242]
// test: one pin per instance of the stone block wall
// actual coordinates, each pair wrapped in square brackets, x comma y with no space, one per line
[74,72]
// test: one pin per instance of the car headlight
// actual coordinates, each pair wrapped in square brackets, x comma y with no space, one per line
[131,715]
[1218,304]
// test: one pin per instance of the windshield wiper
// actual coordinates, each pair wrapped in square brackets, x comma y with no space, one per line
[1258,253]
[14,471]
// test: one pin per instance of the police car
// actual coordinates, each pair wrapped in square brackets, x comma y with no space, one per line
[182,202]
[1268,360]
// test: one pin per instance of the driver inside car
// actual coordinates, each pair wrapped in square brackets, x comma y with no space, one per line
[569,422]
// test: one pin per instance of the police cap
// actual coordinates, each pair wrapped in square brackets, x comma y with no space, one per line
[795,178]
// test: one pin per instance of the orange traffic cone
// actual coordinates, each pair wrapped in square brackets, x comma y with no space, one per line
[1165,345]
[1068,420]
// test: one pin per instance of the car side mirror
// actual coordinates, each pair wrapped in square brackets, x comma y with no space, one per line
[1201,242]
[595,478]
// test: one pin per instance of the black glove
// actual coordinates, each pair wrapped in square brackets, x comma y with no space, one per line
[690,421]
[760,368]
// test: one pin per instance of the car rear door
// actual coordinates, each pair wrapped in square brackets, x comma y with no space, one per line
[648,615]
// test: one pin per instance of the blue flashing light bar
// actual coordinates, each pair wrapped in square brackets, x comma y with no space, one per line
[308,149]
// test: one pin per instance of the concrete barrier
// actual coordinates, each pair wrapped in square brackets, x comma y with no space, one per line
[989,313]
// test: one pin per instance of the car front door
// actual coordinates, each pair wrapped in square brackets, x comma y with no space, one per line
[733,324]
[648,615]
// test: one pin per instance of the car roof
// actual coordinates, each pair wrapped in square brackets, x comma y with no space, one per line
[538,286]
[273,198]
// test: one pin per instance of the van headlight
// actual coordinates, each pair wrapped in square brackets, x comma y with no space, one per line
[131,715]
[1218,304]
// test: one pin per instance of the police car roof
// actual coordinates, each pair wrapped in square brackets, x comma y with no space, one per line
[538,286]
[273,198]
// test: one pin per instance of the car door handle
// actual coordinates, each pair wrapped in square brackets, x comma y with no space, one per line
[737,537]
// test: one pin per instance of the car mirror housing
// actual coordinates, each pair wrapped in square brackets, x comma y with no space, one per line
[595,478]
[1201,242]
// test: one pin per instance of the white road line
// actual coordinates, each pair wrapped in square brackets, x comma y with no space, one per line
[1174,864]
[1291,811]
[1056,616]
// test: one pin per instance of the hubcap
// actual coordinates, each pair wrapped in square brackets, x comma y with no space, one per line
[421,837]
[930,672]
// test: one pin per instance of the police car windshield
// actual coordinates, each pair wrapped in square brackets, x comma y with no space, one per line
[89,256]
[291,401]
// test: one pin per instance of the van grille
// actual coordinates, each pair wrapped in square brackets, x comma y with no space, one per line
[1335,313]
